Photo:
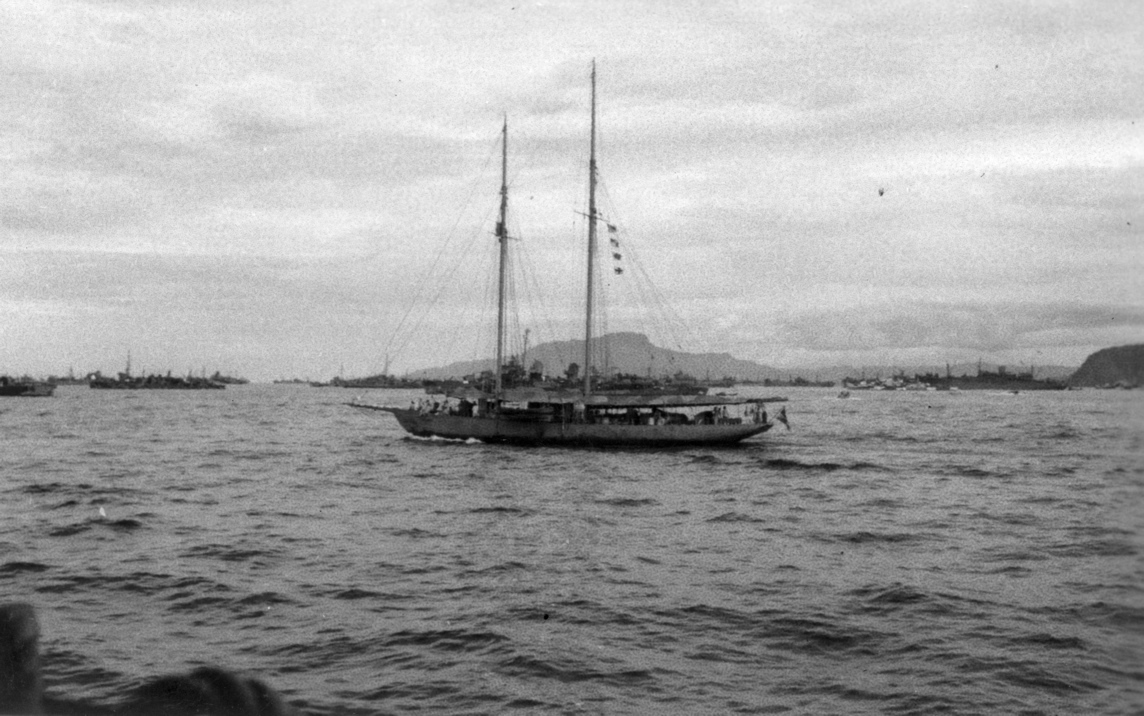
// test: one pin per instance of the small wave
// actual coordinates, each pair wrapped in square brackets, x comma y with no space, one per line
[627,502]
[788,464]
[510,566]
[817,635]
[533,706]
[1121,617]
[415,533]
[255,455]
[1012,570]
[261,513]
[69,530]
[860,465]
[228,554]
[1100,531]
[16,567]
[886,600]
[197,605]
[722,616]
[883,503]
[705,460]
[567,673]
[882,436]
[1014,556]
[43,488]
[126,524]
[1092,548]
[498,509]
[427,569]
[1040,500]
[785,464]
[966,471]
[354,593]
[1048,641]
[1036,677]
[261,598]
[863,536]
[735,517]
[458,640]
[894,594]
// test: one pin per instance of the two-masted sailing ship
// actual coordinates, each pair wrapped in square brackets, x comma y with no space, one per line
[590,415]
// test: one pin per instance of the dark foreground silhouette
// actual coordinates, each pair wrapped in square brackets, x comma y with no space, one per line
[206,691]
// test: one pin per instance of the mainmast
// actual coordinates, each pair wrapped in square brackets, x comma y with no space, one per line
[591,241]
[502,237]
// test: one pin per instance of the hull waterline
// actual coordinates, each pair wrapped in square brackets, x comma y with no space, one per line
[501,430]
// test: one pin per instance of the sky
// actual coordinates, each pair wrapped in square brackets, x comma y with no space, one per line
[306,189]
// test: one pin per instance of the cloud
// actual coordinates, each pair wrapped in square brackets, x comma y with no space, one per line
[991,328]
[263,164]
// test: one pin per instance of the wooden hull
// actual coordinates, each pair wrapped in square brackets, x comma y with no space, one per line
[526,432]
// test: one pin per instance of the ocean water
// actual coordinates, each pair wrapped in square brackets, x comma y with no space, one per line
[961,553]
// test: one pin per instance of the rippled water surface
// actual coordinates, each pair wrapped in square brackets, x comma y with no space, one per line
[894,553]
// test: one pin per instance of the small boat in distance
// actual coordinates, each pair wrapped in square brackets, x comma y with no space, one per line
[511,412]
[123,381]
[24,387]
[126,381]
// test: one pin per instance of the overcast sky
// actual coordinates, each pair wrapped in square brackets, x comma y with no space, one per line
[272,189]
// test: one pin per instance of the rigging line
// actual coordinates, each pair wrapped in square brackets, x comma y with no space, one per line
[530,295]
[448,239]
[482,341]
[670,318]
[659,310]
[483,311]
[579,229]
[520,304]
[650,310]
[675,320]
[601,320]
[414,329]
[445,282]
[529,272]
[519,295]
[512,306]
[520,269]
[631,287]
[446,279]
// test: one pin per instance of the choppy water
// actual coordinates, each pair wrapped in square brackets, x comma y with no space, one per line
[893,553]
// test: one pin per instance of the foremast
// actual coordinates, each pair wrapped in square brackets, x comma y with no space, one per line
[502,237]
[591,242]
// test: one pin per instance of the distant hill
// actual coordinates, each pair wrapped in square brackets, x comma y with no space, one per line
[1122,365]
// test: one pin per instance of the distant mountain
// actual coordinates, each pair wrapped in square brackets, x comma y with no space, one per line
[633,353]
[1122,365]
[626,353]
